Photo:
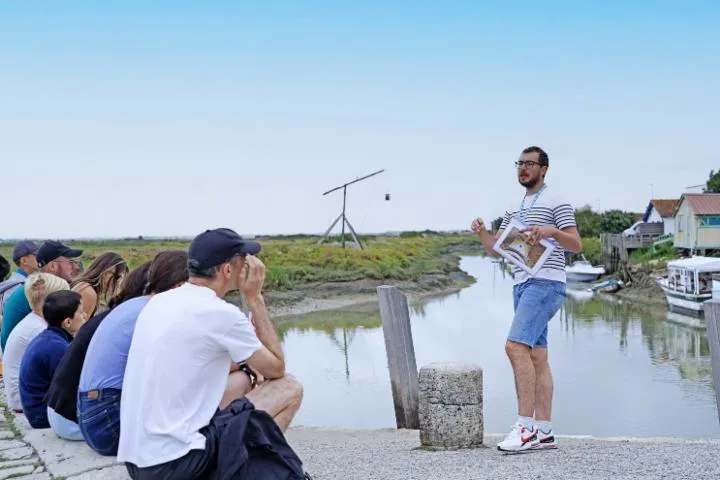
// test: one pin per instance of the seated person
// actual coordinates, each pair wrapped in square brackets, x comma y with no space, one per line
[100,282]
[185,342]
[52,257]
[64,314]
[63,393]
[37,287]
[101,379]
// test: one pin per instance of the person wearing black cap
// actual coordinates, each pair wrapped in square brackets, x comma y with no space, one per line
[185,341]
[23,255]
[52,257]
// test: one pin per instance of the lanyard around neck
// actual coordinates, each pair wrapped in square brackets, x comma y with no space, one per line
[523,211]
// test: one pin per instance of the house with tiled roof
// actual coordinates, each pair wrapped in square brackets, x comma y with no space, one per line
[662,211]
[697,221]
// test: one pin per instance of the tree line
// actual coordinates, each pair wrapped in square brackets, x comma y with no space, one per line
[591,223]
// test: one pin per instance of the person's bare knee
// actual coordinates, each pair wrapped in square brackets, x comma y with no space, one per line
[274,396]
[516,350]
[294,388]
[539,357]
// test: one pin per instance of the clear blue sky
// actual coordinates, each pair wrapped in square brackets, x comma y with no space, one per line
[165,118]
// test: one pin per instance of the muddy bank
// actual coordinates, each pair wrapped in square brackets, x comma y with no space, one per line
[642,285]
[650,294]
[333,295]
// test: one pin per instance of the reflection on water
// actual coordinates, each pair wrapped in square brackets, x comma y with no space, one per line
[619,369]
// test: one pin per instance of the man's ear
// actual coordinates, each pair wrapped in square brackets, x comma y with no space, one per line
[66,323]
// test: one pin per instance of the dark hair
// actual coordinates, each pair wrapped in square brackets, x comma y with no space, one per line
[60,305]
[109,261]
[542,156]
[167,269]
[4,268]
[133,286]
[195,270]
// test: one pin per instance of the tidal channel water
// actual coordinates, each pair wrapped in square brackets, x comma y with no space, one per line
[620,369]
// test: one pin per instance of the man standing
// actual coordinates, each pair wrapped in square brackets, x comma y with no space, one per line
[536,299]
[185,343]
[52,257]
[24,256]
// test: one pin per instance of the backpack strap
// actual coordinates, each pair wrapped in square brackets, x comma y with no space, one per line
[8,284]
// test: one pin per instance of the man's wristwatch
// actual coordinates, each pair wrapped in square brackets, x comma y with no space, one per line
[248,371]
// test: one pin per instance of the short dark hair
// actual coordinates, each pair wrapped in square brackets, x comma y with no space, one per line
[167,269]
[133,285]
[4,268]
[196,271]
[60,305]
[542,155]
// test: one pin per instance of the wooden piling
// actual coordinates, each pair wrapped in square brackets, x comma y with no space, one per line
[712,324]
[400,350]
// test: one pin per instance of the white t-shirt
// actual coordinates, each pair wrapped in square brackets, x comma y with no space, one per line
[29,327]
[184,342]
[546,210]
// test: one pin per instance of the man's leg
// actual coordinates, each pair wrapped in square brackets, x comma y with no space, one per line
[527,328]
[543,385]
[280,398]
[524,370]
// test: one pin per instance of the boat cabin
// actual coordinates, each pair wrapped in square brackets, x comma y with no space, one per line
[692,275]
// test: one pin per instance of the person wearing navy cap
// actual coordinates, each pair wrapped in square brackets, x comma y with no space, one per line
[24,257]
[52,257]
[185,342]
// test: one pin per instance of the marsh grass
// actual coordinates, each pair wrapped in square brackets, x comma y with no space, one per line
[299,260]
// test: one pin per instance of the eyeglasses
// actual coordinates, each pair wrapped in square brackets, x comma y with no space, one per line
[526,163]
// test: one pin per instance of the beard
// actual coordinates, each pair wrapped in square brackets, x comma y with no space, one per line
[529,183]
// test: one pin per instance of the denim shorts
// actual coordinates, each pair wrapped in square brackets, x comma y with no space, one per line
[536,301]
[99,419]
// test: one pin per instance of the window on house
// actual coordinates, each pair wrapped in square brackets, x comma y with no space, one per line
[710,221]
[680,223]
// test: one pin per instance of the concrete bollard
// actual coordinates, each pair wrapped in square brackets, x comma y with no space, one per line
[451,405]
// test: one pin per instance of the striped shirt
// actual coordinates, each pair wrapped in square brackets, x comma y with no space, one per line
[548,210]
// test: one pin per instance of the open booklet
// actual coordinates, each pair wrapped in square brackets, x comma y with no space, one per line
[514,245]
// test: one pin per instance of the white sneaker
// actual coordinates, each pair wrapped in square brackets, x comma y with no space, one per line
[519,439]
[545,440]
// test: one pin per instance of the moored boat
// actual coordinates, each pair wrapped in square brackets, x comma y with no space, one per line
[689,283]
[583,271]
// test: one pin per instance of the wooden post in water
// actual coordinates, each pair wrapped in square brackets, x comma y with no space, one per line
[400,350]
[712,324]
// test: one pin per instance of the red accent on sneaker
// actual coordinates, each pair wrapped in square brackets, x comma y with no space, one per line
[525,439]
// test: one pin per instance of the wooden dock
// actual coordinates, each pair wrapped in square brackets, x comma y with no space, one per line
[615,248]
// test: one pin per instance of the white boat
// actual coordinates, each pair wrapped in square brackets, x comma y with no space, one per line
[689,283]
[583,271]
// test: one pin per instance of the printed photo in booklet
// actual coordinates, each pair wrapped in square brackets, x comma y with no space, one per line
[514,245]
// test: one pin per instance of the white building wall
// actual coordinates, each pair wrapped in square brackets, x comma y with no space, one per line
[669,225]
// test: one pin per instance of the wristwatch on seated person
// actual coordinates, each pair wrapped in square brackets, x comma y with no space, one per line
[248,371]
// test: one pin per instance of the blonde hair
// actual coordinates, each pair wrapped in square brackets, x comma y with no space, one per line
[39,285]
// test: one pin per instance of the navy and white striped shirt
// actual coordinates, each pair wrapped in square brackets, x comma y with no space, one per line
[547,211]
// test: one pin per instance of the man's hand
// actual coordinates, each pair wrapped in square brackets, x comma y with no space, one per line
[537,233]
[252,281]
[478,226]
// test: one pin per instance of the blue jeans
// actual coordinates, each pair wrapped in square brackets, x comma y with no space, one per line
[99,419]
[536,302]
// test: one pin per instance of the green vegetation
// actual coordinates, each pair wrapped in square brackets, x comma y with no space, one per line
[298,260]
[591,249]
[661,253]
[713,183]
[592,224]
